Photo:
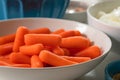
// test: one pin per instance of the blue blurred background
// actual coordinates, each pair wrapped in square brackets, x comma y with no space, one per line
[32,8]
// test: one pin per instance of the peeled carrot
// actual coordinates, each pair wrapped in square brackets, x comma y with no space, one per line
[31,49]
[19,38]
[5,56]
[19,58]
[6,48]
[73,51]
[59,51]
[58,31]
[77,59]
[7,38]
[77,33]
[53,59]
[45,39]
[92,52]
[21,65]
[10,37]
[4,61]
[50,48]
[43,30]
[67,33]
[66,52]
[36,62]
[75,42]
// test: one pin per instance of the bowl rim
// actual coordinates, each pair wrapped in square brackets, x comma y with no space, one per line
[105,53]
[96,19]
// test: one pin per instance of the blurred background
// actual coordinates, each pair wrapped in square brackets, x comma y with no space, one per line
[67,9]
[77,9]
[32,8]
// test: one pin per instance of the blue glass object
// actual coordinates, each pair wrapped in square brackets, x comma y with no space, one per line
[3,13]
[111,69]
[32,8]
[14,8]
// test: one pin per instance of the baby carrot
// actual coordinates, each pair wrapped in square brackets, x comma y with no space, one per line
[77,33]
[58,31]
[6,48]
[10,37]
[6,56]
[21,65]
[4,63]
[75,42]
[31,49]
[43,30]
[53,59]
[50,48]
[45,39]
[7,38]
[74,51]
[66,52]
[67,33]
[19,58]
[36,62]
[19,38]
[77,59]
[92,52]
[59,51]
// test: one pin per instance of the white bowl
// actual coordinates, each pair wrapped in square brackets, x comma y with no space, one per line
[76,11]
[54,73]
[107,6]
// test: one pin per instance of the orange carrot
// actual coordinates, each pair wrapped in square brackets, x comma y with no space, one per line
[19,38]
[31,49]
[53,59]
[43,30]
[66,52]
[75,42]
[19,58]
[67,33]
[77,33]
[6,48]
[4,63]
[77,59]
[92,52]
[10,37]
[59,51]
[5,56]
[36,62]
[45,39]
[74,51]
[50,48]
[58,31]
[21,65]
[7,38]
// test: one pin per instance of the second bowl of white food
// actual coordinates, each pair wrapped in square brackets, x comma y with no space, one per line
[105,16]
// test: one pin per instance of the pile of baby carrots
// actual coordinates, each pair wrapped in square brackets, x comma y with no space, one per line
[39,48]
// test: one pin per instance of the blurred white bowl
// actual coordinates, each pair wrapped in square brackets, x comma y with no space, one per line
[76,11]
[107,7]
[54,73]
